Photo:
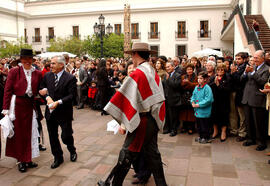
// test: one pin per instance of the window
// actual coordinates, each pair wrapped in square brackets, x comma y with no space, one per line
[51,33]
[135,31]
[76,31]
[181,50]
[37,37]
[181,29]
[25,36]
[204,32]
[155,48]
[154,34]
[117,29]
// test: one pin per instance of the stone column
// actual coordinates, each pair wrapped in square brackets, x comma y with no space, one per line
[127,38]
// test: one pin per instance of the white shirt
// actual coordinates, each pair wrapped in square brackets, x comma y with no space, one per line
[28,75]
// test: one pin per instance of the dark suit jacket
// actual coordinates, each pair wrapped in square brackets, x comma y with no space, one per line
[173,90]
[252,95]
[65,90]
[83,77]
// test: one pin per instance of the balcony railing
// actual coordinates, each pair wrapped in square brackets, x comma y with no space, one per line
[136,35]
[204,34]
[153,35]
[36,39]
[75,36]
[179,35]
[48,38]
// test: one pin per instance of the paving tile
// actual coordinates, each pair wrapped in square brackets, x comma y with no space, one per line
[175,180]
[52,181]
[79,175]
[224,170]
[263,170]
[219,181]
[178,167]
[243,164]
[169,139]
[249,177]
[30,180]
[69,183]
[8,162]
[266,183]
[84,156]
[182,152]
[67,169]
[199,179]
[92,162]
[222,158]
[44,171]
[110,159]
[3,170]
[202,165]
[201,151]
[102,169]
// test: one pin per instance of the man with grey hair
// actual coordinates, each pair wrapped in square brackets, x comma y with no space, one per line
[176,64]
[59,89]
[254,101]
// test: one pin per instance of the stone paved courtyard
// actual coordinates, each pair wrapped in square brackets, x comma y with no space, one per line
[187,162]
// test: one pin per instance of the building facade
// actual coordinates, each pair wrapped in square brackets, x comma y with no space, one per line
[12,19]
[172,27]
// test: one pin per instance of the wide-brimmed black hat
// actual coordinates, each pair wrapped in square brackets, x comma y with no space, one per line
[26,52]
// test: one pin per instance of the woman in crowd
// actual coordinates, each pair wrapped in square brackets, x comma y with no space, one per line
[188,83]
[103,85]
[220,85]
[197,65]
[160,68]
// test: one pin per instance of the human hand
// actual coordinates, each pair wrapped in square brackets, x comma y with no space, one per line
[54,105]
[49,100]
[264,90]
[43,92]
[122,131]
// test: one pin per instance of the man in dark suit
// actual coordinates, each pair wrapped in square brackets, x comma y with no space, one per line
[172,95]
[177,67]
[254,101]
[81,76]
[59,88]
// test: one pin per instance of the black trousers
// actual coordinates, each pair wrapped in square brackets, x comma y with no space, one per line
[66,136]
[256,122]
[151,153]
[203,127]
[174,118]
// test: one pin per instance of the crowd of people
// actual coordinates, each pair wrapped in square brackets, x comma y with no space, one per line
[214,96]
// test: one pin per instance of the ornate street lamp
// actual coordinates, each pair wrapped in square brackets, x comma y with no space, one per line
[99,30]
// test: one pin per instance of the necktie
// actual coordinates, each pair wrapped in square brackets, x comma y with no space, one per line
[56,80]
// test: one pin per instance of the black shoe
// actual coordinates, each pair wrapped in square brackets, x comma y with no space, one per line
[249,143]
[173,133]
[81,107]
[268,161]
[41,147]
[223,140]
[166,132]
[261,147]
[73,156]
[31,165]
[22,167]
[103,112]
[102,183]
[240,138]
[57,162]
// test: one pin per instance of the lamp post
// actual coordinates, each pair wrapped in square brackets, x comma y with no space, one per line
[99,30]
